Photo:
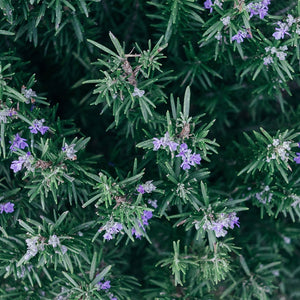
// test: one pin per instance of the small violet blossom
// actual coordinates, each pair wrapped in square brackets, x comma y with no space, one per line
[297,159]
[28,94]
[147,215]
[103,285]
[258,8]
[188,158]
[23,161]
[223,222]
[138,92]
[111,228]
[70,151]
[147,187]
[18,143]
[208,5]
[281,31]
[164,142]
[225,20]
[239,37]
[37,125]
[7,207]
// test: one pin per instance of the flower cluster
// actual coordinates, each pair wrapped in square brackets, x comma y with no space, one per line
[284,27]
[111,229]
[7,207]
[280,54]
[223,221]
[208,4]
[28,94]
[18,143]
[105,286]
[70,151]
[37,126]
[258,8]
[188,158]
[147,215]
[54,241]
[240,36]
[165,142]
[147,187]
[23,161]
[265,196]
[34,245]
[278,149]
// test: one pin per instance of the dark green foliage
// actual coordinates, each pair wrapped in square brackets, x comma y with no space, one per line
[128,90]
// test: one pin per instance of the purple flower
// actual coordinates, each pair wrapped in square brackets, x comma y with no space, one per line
[233,220]
[172,145]
[147,215]
[218,229]
[157,143]
[260,8]
[281,31]
[297,159]
[134,232]
[37,125]
[103,285]
[182,150]
[117,227]
[208,5]
[25,161]
[140,189]
[195,159]
[18,143]
[107,236]
[185,165]
[8,207]
[239,37]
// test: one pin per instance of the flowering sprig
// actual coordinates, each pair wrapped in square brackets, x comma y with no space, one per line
[220,223]
[188,158]
[280,53]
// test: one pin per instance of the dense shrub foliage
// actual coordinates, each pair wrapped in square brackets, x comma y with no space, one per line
[149,149]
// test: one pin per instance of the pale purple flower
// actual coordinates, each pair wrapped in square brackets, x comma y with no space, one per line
[134,232]
[25,161]
[70,151]
[140,189]
[281,31]
[153,203]
[173,145]
[147,215]
[239,37]
[157,143]
[233,220]
[188,159]
[258,8]
[37,125]
[107,236]
[138,92]
[219,230]
[208,5]
[297,159]
[103,285]
[8,207]
[18,143]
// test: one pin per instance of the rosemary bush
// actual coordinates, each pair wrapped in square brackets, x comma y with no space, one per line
[149,149]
